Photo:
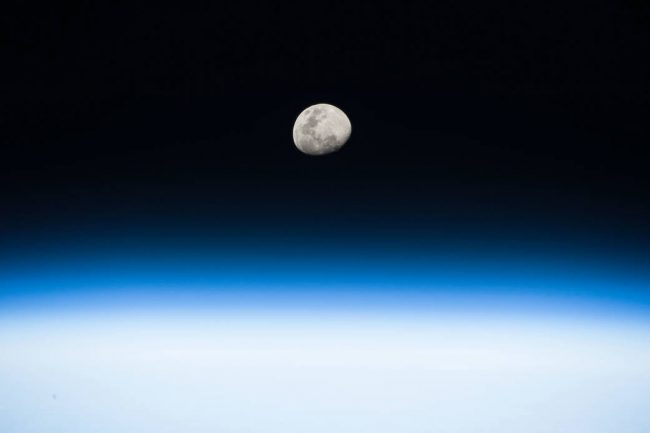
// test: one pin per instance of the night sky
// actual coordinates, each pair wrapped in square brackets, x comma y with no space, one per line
[494,115]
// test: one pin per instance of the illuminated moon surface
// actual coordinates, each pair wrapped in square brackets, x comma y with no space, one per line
[321,129]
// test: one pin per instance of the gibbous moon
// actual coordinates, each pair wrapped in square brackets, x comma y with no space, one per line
[321,129]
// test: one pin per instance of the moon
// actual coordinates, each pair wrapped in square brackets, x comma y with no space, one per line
[321,129]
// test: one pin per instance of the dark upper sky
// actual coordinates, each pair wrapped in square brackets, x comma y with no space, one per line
[489,113]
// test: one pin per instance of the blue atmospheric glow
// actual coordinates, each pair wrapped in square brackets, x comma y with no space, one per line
[323,342]
[339,279]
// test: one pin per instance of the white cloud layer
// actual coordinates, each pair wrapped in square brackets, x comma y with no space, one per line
[250,372]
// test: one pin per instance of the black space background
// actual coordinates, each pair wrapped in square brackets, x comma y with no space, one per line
[468,116]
